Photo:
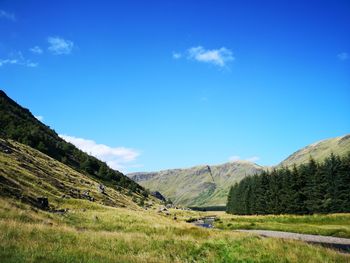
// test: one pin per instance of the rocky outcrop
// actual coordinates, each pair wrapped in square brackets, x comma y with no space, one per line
[158,195]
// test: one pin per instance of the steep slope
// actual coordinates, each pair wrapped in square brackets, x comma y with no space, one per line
[319,150]
[19,124]
[27,174]
[197,186]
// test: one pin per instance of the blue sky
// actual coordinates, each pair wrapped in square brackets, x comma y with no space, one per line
[150,85]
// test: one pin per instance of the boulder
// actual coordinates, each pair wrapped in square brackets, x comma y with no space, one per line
[102,188]
[43,202]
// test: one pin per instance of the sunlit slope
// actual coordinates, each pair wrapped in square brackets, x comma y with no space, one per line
[319,150]
[27,174]
[91,232]
[197,186]
[19,124]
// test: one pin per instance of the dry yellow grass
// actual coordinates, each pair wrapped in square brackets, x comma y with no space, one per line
[104,231]
[104,234]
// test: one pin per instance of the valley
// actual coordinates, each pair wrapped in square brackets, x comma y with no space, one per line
[58,204]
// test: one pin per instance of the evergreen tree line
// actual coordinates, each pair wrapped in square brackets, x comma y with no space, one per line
[306,189]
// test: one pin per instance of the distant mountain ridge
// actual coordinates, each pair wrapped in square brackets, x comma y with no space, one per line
[196,187]
[199,185]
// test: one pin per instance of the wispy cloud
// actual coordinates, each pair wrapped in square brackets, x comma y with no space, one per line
[253,159]
[7,61]
[7,15]
[116,157]
[219,57]
[60,46]
[343,56]
[236,158]
[36,50]
[177,55]
[38,117]
[17,58]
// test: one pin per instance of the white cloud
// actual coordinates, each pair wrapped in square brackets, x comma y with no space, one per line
[7,15]
[236,158]
[36,50]
[7,61]
[343,56]
[60,46]
[116,157]
[32,64]
[177,55]
[17,58]
[40,118]
[219,57]
[253,159]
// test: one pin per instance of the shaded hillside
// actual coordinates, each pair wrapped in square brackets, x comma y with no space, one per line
[319,150]
[27,174]
[197,186]
[19,124]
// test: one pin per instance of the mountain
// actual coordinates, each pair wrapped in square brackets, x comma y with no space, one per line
[17,123]
[319,151]
[29,176]
[197,186]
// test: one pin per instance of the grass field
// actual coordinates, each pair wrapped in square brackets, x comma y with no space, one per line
[91,232]
[100,232]
[328,225]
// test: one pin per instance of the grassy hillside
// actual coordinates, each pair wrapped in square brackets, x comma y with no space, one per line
[91,232]
[19,124]
[197,186]
[111,227]
[27,174]
[319,150]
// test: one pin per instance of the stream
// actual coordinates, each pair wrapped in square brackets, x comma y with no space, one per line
[206,222]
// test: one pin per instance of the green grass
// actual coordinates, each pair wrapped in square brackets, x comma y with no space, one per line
[319,151]
[328,225]
[29,173]
[97,233]
[113,228]
[195,186]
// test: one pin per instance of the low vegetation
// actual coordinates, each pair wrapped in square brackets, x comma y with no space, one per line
[91,232]
[27,174]
[337,225]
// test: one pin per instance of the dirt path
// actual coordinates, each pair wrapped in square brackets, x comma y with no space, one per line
[334,242]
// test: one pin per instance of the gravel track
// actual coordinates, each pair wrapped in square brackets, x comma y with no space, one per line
[335,242]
